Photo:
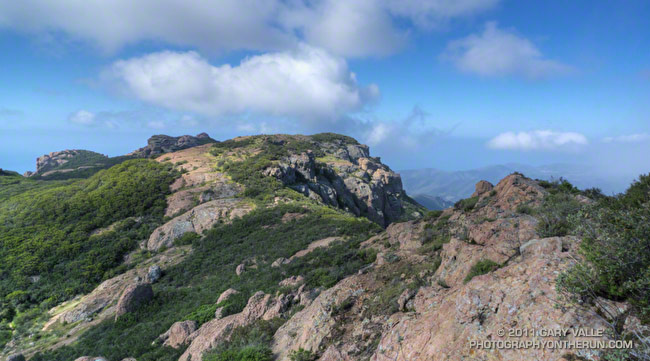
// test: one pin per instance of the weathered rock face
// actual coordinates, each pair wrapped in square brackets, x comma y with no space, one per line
[134,296]
[198,219]
[260,306]
[348,178]
[178,334]
[438,319]
[159,144]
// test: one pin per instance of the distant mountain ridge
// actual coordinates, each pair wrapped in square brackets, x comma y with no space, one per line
[454,185]
[432,202]
[80,163]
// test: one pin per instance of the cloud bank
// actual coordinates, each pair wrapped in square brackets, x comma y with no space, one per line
[537,140]
[498,52]
[343,27]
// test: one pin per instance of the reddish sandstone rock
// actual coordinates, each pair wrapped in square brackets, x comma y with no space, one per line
[259,306]
[482,187]
[178,334]
[225,295]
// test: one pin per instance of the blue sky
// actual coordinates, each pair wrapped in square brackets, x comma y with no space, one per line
[431,83]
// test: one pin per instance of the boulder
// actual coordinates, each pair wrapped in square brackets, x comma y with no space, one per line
[546,246]
[91,358]
[225,295]
[240,269]
[153,274]
[198,219]
[279,262]
[482,187]
[403,299]
[334,354]
[134,296]
[292,281]
[16,357]
[178,333]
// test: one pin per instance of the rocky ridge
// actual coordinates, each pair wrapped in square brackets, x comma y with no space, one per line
[55,161]
[421,298]
[159,144]
[341,173]
[433,312]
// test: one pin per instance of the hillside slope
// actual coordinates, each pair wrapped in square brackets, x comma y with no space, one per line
[282,247]
[327,179]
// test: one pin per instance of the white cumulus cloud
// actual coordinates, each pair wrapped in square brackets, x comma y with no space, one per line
[305,83]
[537,140]
[498,52]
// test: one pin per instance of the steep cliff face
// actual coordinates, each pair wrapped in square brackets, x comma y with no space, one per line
[341,173]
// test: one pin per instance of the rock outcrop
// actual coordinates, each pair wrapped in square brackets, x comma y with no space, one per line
[179,334]
[133,296]
[197,220]
[259,306]
[225,295]
[346,177]
[402,309]
[159,144]
[101,303]
[56,161]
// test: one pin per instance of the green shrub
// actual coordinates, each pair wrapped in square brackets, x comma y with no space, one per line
[302,355]
[525,209]
[187,239]
[246,353]
[466,204]
[202,314]
[481,267]
[247,343]
[333,137]
[615,238]
[432,215]
[553,214]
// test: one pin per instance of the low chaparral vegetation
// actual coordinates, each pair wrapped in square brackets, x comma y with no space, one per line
[196,283]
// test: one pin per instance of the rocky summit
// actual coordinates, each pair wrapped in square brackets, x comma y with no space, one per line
[292,247]
[159,144]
